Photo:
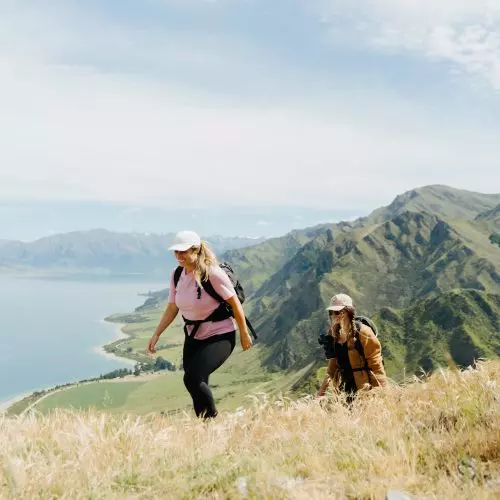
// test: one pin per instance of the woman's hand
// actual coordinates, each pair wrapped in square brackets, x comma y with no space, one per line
[167,318]
[246,340]
[239,316]
[152,343]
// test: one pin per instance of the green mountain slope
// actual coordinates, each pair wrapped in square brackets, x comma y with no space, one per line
[492,215]
[410,257]
[256,263]
[395,262]
[463,323]
[491,221]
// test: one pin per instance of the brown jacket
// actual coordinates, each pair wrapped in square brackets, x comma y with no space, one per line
[373,376]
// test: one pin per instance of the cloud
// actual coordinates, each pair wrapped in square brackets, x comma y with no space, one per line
[462,33]
[94,109]
[263,223]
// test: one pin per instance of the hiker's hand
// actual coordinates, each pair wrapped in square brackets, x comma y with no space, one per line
[246,340]
[152,343]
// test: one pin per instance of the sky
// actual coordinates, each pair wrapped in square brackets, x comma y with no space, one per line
[185,107]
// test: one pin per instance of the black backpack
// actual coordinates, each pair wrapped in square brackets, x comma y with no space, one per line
[365,321]
[224,310]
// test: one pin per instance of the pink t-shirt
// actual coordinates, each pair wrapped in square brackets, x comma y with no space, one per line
[185,297]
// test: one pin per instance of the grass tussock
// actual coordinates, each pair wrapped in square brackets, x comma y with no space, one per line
[437,438]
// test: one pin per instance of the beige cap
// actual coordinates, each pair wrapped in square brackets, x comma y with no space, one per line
[340,301]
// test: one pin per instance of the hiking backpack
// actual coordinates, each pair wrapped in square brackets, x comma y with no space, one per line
[366,321]
[224,310]
[359,320]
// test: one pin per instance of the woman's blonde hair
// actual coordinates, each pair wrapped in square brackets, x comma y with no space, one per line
[205,259]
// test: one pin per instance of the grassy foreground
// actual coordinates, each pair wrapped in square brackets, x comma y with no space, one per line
[437,438]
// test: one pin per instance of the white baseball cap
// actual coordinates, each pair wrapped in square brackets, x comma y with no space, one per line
[339,301]
[184,240]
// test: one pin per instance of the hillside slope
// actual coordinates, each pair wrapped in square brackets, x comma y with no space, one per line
[462,323]
[395,257]
[411,257]
[438,438]
[256,263]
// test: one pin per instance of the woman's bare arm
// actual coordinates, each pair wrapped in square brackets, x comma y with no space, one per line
[166,320]
[239,316]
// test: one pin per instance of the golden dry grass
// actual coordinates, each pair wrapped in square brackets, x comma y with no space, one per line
[438,438]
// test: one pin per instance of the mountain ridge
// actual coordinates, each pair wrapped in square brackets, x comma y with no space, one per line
[440,200]
[104,251]
[413,255]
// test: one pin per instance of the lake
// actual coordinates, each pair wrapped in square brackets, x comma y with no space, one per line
[51,330]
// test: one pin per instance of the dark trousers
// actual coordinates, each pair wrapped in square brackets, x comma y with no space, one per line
[200,358]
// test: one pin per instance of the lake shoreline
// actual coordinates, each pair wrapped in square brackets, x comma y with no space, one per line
[7,403]
[120,334]
[100,350]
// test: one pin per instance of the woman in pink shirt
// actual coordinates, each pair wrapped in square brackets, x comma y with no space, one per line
[210,332]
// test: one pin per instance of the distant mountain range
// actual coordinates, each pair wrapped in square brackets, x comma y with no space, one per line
[426,267]
[101,252]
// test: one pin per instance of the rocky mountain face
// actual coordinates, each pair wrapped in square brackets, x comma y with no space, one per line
[430,247]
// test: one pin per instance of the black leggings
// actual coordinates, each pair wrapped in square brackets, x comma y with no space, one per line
[200,358]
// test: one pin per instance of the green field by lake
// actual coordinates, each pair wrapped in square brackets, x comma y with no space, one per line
[239,381]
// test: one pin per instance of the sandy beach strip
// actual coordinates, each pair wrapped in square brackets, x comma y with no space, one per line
[119,335]
[6,404]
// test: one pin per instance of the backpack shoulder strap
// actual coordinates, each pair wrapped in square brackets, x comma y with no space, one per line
[226,266]
[177,275]
[357,344]
[209,288]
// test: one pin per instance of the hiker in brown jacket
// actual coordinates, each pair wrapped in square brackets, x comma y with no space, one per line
[353,350]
